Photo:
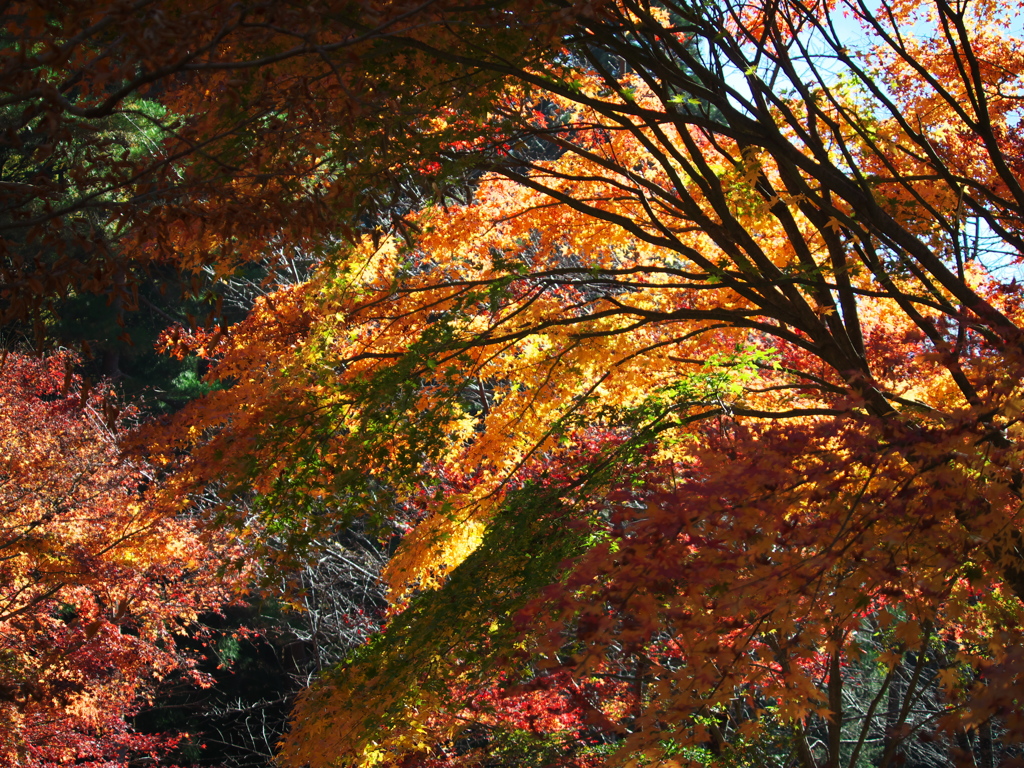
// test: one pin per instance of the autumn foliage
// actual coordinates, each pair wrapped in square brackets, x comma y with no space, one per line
[96,577]
[687,356]
[202,137]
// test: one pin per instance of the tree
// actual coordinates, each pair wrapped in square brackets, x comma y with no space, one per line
[754,256]
[170,134]
[95,578]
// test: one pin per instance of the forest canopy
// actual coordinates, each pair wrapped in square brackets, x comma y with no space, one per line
[670,352]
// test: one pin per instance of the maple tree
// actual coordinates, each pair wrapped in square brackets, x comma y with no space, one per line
[708,385]
[95,577]
[756,271]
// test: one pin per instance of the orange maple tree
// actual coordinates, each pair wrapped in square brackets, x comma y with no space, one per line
[756,253]
[95,577]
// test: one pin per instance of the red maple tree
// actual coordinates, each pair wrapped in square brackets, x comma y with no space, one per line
[96,578]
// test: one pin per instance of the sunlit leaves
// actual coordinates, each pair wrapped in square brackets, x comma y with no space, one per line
[729,360]
[96,576]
